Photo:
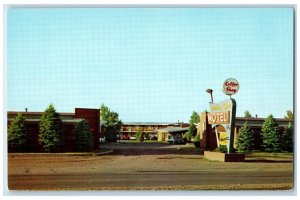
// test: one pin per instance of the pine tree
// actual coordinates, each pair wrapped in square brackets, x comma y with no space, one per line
[270,135]
[83,138]
[245,140]
[17,137]
[50,130]
[288,138]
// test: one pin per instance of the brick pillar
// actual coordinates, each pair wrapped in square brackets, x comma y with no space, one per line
[92,116]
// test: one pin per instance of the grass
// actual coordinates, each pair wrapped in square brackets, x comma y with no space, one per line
[271,154]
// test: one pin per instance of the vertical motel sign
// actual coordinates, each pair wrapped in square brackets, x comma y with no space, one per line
[223,114]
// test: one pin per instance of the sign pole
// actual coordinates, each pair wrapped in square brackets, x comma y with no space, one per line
[216,131]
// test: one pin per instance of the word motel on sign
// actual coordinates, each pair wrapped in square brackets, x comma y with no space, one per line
[218,117]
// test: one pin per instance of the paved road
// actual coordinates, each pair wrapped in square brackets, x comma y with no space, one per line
[143,179]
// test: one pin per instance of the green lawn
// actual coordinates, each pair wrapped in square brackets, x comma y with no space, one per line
[271,155]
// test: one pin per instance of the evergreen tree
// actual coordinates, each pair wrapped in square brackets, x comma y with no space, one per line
[83,138]
[17,137]
[270,135]
[245,140]
[288,138]
[50,130]
[112,123]
[195,118]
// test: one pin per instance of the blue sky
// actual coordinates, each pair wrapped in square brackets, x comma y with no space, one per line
[149,64]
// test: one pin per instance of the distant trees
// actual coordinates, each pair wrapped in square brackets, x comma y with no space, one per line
[247,114]
[289,115]
[17,137]
[245,140]
[270,135]
[287,138]
[112,123]
[83,138]
[195,118]
[50,133]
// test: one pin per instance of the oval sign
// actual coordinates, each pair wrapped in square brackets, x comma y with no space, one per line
[231,86]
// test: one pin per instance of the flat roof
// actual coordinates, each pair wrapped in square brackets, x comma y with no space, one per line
[262,119]
[174,129]
[34,113]
[75,120]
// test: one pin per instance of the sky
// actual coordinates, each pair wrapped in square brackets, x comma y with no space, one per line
[149,64]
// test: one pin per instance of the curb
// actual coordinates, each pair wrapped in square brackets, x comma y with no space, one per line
[106,152]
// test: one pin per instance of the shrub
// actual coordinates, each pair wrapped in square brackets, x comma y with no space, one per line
[221,149]
[139,136]
[187,136]
[83,138]
[17,137]
[197,141]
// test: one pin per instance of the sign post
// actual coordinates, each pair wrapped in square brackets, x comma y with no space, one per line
[223,114]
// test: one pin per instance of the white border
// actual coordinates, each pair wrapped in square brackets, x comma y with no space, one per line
[131,3]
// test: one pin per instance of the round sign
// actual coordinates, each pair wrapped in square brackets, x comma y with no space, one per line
[231,86]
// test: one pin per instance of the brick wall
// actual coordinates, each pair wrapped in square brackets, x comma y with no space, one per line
[92,116]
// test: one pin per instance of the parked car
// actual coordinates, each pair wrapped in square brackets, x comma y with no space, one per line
[132,138]
[153,138]
[175,140]
[102,139]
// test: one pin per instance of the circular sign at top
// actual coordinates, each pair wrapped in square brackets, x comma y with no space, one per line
[231,86]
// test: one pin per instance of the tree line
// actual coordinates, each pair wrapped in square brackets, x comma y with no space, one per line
[271,139]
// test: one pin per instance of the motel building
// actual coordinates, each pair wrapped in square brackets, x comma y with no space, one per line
[69,120]
[152,130]
[208,135]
